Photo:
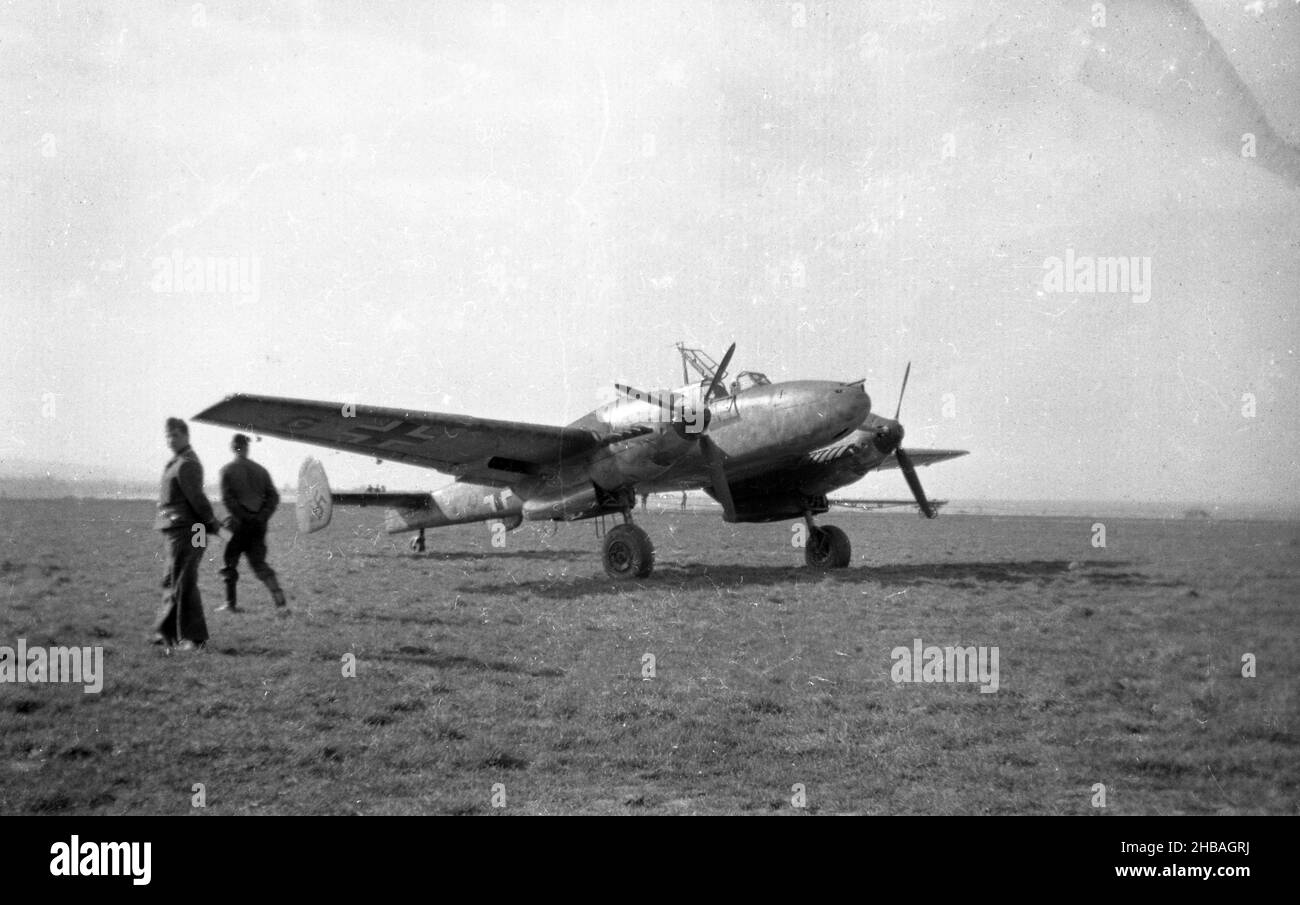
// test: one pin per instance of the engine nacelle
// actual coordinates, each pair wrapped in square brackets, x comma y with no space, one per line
[777,506]
[576,503]
[458,504]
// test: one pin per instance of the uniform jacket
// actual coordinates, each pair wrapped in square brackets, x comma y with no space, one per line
[248,492]
[181,501]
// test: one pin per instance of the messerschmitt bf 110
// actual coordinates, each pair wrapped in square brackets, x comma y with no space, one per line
[765,451]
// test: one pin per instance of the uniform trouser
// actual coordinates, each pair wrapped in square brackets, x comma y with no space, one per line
[249,541]
[180,617]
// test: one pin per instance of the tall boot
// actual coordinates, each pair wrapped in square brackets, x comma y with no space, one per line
[273,585]
[232,596]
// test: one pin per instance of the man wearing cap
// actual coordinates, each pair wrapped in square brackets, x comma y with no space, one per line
[186,519]
[250,497]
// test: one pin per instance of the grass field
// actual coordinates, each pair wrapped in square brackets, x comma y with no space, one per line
[523,667]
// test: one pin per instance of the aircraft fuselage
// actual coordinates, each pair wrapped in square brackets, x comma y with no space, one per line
[759,430]
[754,429]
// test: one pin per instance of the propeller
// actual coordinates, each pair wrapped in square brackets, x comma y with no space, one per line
[914,482]
[716,384]
[906,374]
[905,465]
[714,458]
[669,402]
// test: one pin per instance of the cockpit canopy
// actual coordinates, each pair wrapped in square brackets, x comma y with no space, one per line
[747,380]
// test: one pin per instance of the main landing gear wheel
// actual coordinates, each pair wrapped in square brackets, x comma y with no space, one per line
[417,542]
[827,548]
[628,552]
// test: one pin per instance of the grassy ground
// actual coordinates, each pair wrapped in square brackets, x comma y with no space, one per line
[523,666]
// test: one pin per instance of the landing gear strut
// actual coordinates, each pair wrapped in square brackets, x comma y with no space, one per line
[827,547]
[417,542]
[627,551]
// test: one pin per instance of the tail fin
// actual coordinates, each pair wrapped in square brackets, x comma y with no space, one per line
[315,504]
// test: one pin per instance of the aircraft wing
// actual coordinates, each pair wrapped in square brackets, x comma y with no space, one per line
[923,457]
[478,449]
[880,504]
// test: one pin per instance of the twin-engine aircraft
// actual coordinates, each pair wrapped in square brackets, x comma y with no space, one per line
[765,451]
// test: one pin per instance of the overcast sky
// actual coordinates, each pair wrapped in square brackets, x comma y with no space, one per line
[501,209]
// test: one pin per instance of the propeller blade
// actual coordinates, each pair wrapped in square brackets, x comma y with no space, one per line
[666,401]
[713,457]
[721,372]
[914,482]
[906,374]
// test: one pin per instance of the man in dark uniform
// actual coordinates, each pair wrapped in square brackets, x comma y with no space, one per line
[250,497]
[186,520]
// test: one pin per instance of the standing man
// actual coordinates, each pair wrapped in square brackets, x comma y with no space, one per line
[250,497]
[186,520]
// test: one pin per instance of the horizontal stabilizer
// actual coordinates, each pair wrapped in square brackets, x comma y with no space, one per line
[316,501]
[389,500]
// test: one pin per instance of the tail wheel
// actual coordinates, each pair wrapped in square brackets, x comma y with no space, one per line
[827,548]
[628,552]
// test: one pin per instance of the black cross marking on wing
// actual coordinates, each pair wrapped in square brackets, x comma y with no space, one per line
[396,431]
